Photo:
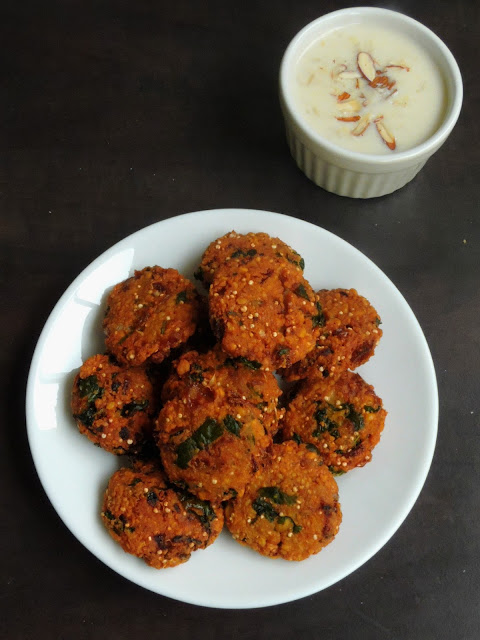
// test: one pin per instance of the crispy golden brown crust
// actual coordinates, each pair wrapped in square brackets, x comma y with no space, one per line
[341,416]
[264,311]
[157,523]
[217,420]
[247,385]
[210,361]
[149,314]
[348,336]
[290,508]
[113,406]
[242,248]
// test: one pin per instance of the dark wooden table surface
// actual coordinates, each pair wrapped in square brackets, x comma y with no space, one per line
[119,114]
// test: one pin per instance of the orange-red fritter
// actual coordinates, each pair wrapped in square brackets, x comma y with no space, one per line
[264,311]
[154,521]
[187,388]
[290,508]
[217,421]
[113,406]
[341,416]
[349,333]
[149,314]
[242,248]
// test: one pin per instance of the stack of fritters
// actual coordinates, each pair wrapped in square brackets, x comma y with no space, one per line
[199,414]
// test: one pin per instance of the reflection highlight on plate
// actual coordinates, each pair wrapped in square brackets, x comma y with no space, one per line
[76,314]
[115,269]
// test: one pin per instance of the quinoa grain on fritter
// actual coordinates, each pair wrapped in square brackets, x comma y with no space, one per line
[348,336]
[290,508]
[113,406]
[264,311]
[149,314]
[341,416]
[218,418]
[239,248]
[154,521]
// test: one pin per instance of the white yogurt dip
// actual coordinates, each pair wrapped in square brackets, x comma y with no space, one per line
[369,89]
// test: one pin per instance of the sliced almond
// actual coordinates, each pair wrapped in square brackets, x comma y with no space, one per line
[397,66]
[386,135]
[351,105]
[343,96]
[391,94]
[337,70]
[349,75]
[362,125]
[382,82]
[348,118]
[366,65]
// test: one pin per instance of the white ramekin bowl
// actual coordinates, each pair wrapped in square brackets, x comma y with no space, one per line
[349,173]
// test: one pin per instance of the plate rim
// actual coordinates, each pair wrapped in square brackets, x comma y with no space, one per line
[175,219]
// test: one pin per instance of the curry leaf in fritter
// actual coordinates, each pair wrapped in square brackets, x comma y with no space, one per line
[324,424]
[181,297]
[370,409]
[132,407]
[195,374]
[232,425]
[268,511]
[355,417]
[207,433]
[319,319]
[249,364]
[87,417]
[89,388]
[276,495]
[239,253]
[265,509]
[301,291]
[201,509]
[335,472]
[296,528]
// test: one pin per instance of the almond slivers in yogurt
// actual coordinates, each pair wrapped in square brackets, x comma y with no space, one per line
[370,90]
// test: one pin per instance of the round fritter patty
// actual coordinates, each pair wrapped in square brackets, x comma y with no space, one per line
[241,248]
[150,314]
[290,508]
[247,384]
[217,421]
[341,416]
[113,406]
[348,336]
[154,521]
[264,311]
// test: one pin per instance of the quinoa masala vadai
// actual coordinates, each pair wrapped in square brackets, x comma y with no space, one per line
[218,417]
[349,333]
[340,416]
[290,509]
[149,314]
[155,521]
[264,311]
[242,248]
[113,406]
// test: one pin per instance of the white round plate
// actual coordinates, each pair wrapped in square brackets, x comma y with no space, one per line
[375,499]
